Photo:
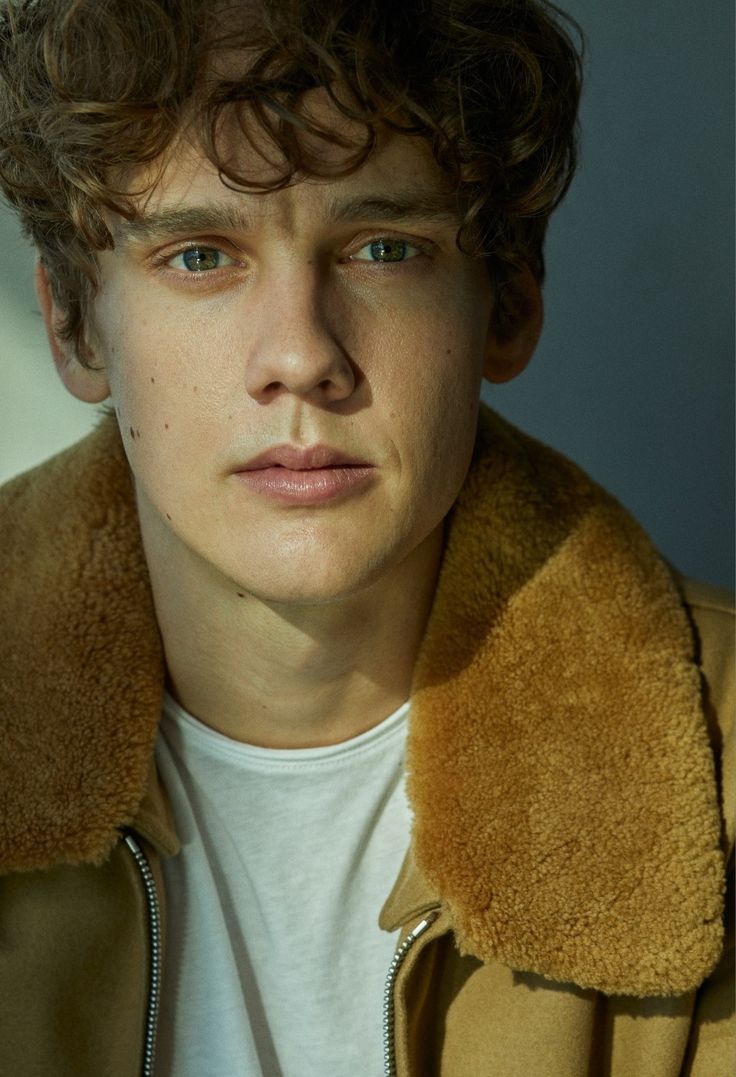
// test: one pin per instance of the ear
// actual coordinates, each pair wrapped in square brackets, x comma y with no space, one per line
[83,382]
[508,354]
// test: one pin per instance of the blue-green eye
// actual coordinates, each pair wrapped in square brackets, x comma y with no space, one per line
[388,250]
[200,259]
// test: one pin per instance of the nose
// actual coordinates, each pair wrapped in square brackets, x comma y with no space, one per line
[293,350]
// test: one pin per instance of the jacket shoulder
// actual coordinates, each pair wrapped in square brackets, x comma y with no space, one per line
[81,665]
[706,596]
[712,613]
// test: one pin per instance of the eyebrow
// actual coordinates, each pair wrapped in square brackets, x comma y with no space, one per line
[415,206]
[421,206]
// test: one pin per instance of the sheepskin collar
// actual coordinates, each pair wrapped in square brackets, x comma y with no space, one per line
[566,817]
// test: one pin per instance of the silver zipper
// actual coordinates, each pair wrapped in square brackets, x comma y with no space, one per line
[154,928]
[389,1043]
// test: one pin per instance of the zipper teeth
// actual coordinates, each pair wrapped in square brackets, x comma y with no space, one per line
[154,924]
[154,995]
[389,1044]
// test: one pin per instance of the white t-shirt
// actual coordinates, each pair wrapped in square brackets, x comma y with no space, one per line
[274,963]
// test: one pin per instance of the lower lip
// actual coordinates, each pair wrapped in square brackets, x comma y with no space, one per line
[312,487]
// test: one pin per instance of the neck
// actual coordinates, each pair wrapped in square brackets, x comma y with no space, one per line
[293,675]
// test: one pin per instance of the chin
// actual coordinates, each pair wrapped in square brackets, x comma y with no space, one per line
[311,587]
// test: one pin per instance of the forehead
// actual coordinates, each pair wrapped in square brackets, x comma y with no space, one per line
[400,179]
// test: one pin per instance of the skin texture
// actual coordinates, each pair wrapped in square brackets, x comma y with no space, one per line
[293,625]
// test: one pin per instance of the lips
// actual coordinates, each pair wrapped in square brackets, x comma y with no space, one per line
[307,459]
[311,476]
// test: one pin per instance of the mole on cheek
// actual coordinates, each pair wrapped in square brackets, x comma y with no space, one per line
[153,381]
[166,426]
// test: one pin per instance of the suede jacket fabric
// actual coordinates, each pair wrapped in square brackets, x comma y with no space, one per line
[562,902]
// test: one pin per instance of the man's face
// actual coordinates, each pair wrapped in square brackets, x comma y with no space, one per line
[238,330]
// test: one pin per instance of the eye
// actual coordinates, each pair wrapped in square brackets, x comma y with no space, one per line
[386,250]
[200,259]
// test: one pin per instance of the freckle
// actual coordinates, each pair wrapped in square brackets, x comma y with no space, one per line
[153,381]
[166,426]
[167,516]
[196,389]
[132,433]
[449,351]
[240,594]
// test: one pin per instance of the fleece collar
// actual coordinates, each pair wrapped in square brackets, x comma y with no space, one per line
[565,809]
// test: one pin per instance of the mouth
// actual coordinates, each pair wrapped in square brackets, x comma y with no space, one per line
[309,476]
[293,458]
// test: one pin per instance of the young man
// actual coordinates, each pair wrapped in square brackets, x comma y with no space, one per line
[326,695]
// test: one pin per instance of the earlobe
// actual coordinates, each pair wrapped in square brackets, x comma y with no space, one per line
[508,355]
[83,382]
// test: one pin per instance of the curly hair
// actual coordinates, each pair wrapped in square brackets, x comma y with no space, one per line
[92,89]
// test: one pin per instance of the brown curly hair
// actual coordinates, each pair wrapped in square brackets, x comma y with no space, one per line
[90,89]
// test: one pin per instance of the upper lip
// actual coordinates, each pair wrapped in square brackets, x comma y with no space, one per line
[298,459]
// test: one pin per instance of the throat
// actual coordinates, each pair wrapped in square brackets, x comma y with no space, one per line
[280,675]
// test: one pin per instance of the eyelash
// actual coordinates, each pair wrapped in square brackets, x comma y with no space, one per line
[162,260]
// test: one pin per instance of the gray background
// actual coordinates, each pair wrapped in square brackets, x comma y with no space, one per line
[633,377]
[634,374]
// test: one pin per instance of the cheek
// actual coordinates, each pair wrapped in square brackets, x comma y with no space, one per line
[434,419]
[442,424]
[138,392]
[150,373]
[432,383]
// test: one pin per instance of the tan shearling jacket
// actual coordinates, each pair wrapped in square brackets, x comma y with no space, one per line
[561,904]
